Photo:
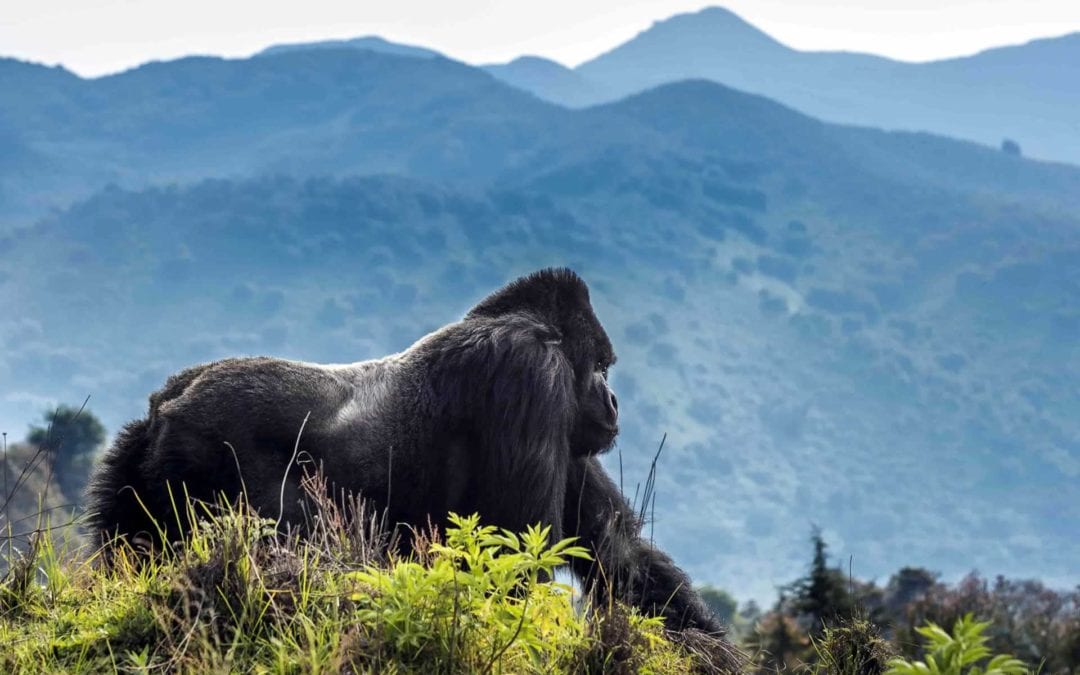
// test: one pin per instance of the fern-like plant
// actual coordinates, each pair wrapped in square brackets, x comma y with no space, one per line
[951,654]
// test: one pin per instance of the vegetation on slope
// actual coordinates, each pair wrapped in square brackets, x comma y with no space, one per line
[236,597]
[830,622]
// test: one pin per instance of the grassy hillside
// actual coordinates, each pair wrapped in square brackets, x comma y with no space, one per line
[234,598]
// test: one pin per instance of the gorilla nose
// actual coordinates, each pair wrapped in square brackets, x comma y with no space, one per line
[613,403]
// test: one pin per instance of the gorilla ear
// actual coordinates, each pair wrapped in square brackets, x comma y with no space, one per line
[552,293]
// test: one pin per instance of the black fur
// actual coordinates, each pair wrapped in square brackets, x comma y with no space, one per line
[502,413]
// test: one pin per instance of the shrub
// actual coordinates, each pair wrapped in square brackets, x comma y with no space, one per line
[477,596]
[853,647]
[950,654]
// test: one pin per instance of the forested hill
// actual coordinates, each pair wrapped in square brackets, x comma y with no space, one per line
[872,331]
[321,111]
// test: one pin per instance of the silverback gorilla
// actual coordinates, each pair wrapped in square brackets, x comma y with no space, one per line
[503,413]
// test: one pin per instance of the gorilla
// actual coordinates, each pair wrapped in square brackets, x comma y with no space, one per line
[504,413]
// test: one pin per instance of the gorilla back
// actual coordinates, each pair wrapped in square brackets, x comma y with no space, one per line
[502,413]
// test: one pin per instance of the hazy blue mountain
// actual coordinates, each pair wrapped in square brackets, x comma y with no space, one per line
[714,43]
[354,111]
[1028,93]
[31,176]
[320,111]
[549,80]
[372,43]
[873,331]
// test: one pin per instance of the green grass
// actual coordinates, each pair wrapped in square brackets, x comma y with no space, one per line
[236,597]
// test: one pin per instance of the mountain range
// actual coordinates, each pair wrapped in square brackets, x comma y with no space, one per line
[1026,93]
[1029,93]
[872,331]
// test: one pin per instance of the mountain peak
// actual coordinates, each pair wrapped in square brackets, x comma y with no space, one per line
[712,43]
[710,23]
[706,34]
[714,13]
[537,62]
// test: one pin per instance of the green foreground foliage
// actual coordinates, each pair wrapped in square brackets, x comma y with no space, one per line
[958,654]
[237,597]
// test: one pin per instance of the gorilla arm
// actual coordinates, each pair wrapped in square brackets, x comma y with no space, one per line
[635,571]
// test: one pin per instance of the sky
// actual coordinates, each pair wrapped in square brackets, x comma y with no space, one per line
[95,37]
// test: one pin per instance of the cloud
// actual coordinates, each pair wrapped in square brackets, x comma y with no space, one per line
[1063,460]
[29,398]
[21,332]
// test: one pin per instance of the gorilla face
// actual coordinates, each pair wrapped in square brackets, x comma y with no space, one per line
[588,347]
[598,416]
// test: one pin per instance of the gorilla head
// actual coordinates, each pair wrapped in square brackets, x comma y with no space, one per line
[560,300]
[502,413]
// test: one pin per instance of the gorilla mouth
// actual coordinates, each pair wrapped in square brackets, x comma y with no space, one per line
[608,434]
[595,438]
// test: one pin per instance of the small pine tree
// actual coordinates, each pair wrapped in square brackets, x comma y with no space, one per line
[822,597]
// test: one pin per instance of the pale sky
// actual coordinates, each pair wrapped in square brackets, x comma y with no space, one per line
[94,37]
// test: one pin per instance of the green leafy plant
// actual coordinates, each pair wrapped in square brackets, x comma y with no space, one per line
[951,654]
[486,581]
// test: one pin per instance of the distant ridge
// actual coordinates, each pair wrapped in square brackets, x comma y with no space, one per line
[371,43]
[549,80]
[1027,93]
[988,97]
